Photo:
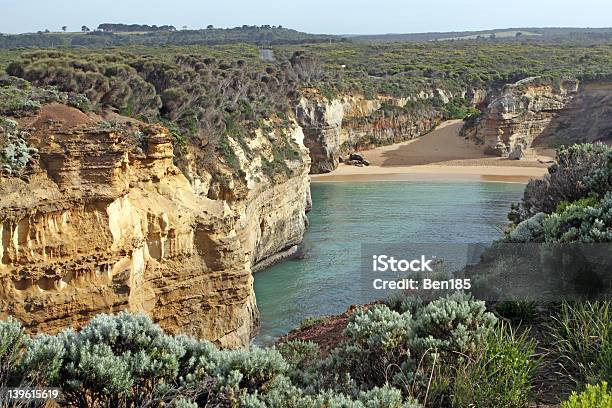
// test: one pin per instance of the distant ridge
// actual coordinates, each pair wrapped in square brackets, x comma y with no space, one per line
[123,34]
[109,34]
[545,33]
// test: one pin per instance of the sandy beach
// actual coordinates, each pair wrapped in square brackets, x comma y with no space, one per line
[441,155]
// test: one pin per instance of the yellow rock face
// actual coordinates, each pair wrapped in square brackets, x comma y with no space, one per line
[100,227]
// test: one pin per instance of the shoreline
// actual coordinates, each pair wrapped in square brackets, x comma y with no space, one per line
[438,156]
[439,173]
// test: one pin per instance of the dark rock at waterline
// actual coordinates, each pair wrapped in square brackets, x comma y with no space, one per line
[356,157]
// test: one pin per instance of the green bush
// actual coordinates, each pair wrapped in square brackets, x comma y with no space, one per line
[595,396]
[579,223]
[298,353]
[384,346]
[12,340]
[501,374]
[456,322]
[378,346]
[312,321]
[582,171]
[582,333]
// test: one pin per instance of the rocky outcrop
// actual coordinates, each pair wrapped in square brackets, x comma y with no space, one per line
[522,112]
[102,221]
[586,118]
[336,127]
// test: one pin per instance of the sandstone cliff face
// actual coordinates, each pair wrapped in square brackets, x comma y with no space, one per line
[272,217]
[587,117]
[335,127]
[101,225]
[520,114]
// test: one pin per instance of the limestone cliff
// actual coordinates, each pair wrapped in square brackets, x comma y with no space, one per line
[335,127]
[587,117]
[520,114]
[102,220]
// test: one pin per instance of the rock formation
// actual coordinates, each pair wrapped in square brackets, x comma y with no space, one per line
[522,112]
[337,127]
[586,118]
[102,220]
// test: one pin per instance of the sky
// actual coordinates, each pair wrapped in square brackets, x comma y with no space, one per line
[314,16]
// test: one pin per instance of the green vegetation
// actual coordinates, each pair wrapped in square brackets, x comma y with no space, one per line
[135,34]
[557,34]
[404,353]
[573,203]
[125,360]
[402,69]
[593,397]
[451,351]
[459,108]
[501,374]
[583,337]
[517,311]
[213,93]
[312,321]
[19,98]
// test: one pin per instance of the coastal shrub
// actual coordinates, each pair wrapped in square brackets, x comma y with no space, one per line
[19,97]
[12,341]
[312,321]
[127,360]
[582,203]
[378,346]
[250,370]
[384,397]
[529,230]
[402,303]
[581,223]
[287,396]
[117,360]
[301,356]
[14,151]
[582,171]
[594,396]
[500,374]
[582,334]
[459,108]
[384,346]
[15,154]
[587,221]
[456,322]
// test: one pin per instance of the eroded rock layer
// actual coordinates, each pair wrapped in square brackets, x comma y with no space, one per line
[521,113]
[102,221]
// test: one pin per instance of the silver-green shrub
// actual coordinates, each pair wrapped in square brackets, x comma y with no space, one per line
[126,360]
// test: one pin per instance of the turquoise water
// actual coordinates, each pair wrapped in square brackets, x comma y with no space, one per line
[322,280]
